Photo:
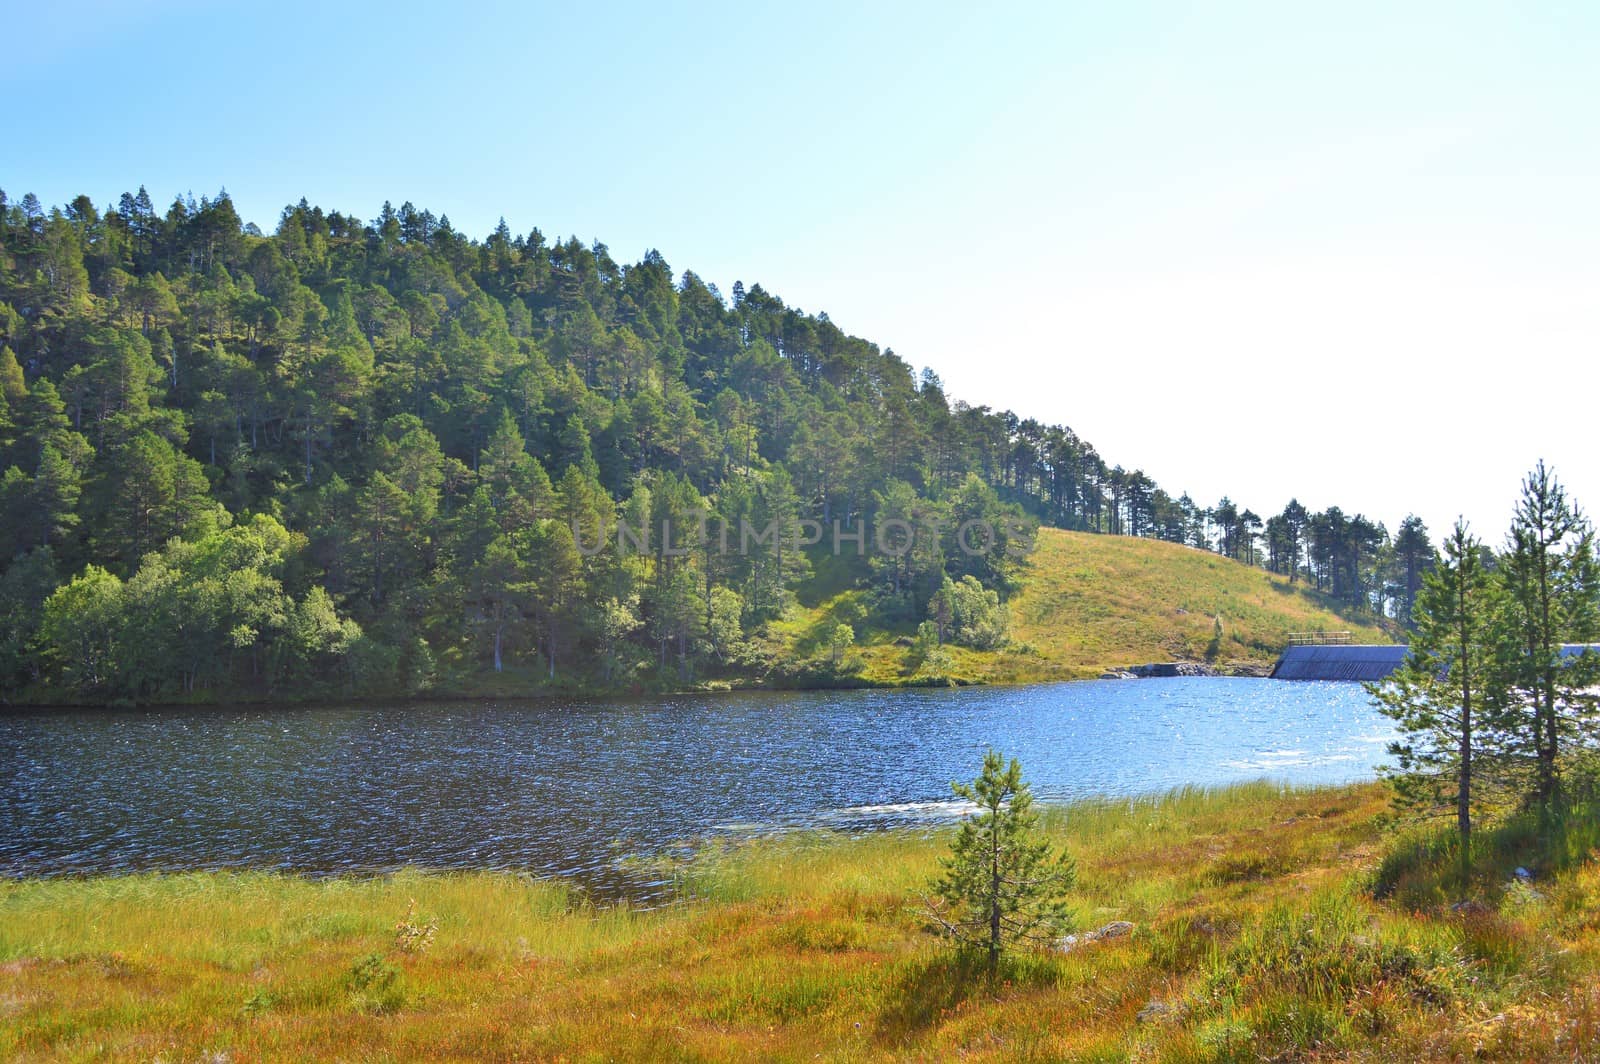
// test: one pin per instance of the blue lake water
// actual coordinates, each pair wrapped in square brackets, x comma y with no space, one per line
[569,787]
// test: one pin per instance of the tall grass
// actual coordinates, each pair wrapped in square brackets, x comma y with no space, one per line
[1257,936]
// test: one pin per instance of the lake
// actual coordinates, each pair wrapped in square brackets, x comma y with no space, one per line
[570,787]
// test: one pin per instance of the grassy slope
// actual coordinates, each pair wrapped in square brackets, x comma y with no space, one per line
[1089,603]
[1254,933]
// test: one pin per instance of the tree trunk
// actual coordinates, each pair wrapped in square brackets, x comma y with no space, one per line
[1547,742]
[1464,769]
[994,900]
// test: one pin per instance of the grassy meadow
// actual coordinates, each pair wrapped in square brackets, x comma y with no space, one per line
[1269,924]
[1089,603]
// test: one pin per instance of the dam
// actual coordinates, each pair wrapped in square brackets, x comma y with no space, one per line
[1325,656]
[1339,661]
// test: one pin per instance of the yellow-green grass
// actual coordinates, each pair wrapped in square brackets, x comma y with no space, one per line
[1255,934]
[1089,603]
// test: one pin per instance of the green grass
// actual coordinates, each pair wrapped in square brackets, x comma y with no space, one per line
[1089,603]
[1258,936]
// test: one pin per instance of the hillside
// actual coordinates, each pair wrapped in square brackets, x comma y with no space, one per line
[1093,602]
[352,459]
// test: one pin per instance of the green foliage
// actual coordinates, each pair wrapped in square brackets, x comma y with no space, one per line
[210,610]
[841,639]
[24,588]
[929,659]
[1488,696]
[1002,884]
[1449,699]
[375,985]
[147,494]
[82,627]
[967,613]
[1552,581]
[425,412]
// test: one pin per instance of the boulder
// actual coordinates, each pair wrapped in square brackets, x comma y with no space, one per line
[1115,929]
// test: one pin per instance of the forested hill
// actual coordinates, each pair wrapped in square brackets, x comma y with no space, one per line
[351,456]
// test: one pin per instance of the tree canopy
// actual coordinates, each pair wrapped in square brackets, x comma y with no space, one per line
[450,430]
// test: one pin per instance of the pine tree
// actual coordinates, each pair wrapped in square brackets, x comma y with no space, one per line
[12,385]
[1553,582]
[556,587]
[1448,699]
[1002,885]
[1413,553]
[148,492]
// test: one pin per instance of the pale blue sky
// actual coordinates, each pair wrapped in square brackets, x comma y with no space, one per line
[1260,249]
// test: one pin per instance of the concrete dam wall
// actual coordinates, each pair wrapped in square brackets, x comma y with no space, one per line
[1355,661]
[1350,661]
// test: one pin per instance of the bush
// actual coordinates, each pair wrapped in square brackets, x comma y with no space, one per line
[967,613]
[375,985]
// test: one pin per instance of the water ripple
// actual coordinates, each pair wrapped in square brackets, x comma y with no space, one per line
[576,787]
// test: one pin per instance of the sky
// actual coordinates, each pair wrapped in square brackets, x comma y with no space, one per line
[1347,253]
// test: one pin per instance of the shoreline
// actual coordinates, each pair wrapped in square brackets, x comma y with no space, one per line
[1233,670]
[910,830]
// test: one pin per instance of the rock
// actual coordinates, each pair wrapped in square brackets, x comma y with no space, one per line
[1172,668]
[1470,907]
[1522,873]
[1115,929]
[1157,1011]
[1117,674]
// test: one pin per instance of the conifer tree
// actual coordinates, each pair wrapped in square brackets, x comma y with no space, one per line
[1448,699]
[1553,582]
[1002,885]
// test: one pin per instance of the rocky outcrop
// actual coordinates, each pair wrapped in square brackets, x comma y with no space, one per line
[1186,668]
[1172,668]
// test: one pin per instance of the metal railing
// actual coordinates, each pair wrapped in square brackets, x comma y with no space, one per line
[1319,639]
